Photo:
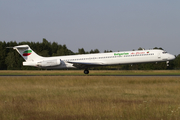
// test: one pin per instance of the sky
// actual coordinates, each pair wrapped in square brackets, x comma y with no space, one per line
[117,25]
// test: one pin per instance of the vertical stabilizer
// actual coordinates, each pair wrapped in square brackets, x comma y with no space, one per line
[27,53]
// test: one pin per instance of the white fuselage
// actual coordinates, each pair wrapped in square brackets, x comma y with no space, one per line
[113,58]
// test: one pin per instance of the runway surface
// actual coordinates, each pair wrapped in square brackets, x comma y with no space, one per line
[94,75]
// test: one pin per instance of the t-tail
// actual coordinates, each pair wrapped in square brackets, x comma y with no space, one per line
[33,59]
[28,54]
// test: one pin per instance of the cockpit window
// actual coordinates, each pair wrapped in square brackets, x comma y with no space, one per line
[164,52]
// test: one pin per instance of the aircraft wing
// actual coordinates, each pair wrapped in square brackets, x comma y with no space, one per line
[85,64]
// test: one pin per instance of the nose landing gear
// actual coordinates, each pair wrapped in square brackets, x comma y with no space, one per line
[167,62]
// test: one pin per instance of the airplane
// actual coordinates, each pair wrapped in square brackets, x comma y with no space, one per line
[90,60]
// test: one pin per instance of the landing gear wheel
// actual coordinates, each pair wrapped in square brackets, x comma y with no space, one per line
[167,62]
[86,71]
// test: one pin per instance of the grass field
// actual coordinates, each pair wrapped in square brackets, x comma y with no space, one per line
[92,72]
[89,98]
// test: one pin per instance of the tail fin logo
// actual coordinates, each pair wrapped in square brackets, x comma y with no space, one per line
[27,52]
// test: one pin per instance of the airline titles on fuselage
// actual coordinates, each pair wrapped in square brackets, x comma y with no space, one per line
[133,53]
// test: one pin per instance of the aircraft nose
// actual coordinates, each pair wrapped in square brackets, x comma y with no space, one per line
[171,57]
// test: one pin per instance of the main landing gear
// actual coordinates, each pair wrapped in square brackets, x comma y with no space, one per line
[167,62]
[86,71]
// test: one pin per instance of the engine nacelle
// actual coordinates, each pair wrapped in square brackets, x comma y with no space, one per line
[48,63]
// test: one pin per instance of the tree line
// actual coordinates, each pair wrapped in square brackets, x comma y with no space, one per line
[11,60]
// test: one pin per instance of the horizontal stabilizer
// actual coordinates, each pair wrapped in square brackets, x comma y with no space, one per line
[21,47]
